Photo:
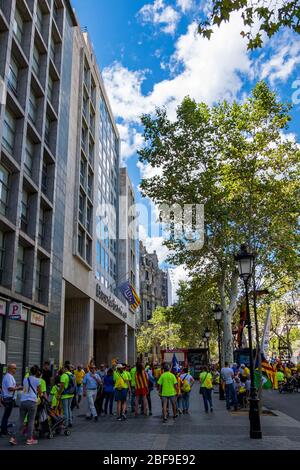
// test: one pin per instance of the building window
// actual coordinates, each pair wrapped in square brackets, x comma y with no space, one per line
[4,182]
[85,106]
[38,281]
[9,130]
[20,275]
[81,208]
[33,106]
[84,138]
[42,227]
[90,185]
[36,61]
[47,130]
[91,153]
[81,243]
[2,254]
[44,178]
[52,50]
[50,88]
[18,26]
[39,19]
[24,211]
[88,251]
[83,168]
[29,153]
[89,212]
[13,74]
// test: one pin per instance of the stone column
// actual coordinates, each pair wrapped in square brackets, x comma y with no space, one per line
[131,346]
[79,331]
[116,343]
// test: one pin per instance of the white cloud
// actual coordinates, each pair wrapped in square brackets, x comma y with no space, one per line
[207,72]
[131,140]
[148,171]
[184,5]
[160,14]
[283,62]
[179,273]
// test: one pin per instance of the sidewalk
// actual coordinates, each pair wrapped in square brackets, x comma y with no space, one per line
[196,431]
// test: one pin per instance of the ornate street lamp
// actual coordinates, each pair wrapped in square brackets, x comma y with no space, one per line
[245,261]
[218,313]
[206,336]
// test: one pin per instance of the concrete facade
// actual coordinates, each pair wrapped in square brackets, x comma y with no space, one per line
[59,194]
[35,71]
[91,273]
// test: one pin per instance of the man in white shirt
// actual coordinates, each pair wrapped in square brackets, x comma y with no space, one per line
[227,375]
[9,387]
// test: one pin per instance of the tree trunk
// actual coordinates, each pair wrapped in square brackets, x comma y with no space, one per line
[228,310]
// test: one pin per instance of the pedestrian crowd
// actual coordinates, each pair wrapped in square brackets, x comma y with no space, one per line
[46,397]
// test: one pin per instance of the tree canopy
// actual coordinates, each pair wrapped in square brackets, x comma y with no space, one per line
[270,16]
[236,160]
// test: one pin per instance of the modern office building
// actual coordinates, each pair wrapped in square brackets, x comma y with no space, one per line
[35,71]
[128,232]
[95,322]
[59,188]
[153,284]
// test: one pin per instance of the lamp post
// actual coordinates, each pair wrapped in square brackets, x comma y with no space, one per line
[245,261]
[207,336]
[218,313]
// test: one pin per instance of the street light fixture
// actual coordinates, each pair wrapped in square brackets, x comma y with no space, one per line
[206,336]
[218,313]
[245,261]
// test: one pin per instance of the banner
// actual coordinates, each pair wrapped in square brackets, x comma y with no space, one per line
[266,335]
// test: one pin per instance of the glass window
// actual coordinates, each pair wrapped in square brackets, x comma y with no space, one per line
[36,61]
[24,211]
[4,181]
[39,18]
[33,106]
[81,207]
[50,88]
[88,251]
[102,257]
[9,130]
[20,273]
[52,50]
[18,26]
[98,253]
[89,212]
[83,168]
[44,177]
[47,130]
[13,75]
[90,185]
[80,242]
[29,153]
[42,226]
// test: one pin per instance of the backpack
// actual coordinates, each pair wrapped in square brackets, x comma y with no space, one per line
[185,385]
[120,383]
[70,390]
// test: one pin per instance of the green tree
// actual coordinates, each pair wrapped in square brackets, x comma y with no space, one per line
[234,159]
[269,15]
[159,331]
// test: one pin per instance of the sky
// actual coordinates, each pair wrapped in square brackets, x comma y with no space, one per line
[150,55]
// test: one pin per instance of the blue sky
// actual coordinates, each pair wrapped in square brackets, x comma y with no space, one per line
[150,56]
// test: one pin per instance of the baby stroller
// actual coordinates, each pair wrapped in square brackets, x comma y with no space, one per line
[50,422]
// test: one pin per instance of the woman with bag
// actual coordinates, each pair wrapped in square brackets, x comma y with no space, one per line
[206,388]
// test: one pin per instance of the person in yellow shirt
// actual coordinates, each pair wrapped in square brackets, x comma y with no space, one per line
[79,376]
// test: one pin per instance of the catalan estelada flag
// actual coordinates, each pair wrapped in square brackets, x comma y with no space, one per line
[130,294]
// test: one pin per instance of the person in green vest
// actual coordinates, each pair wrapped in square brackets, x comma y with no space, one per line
[66,392]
